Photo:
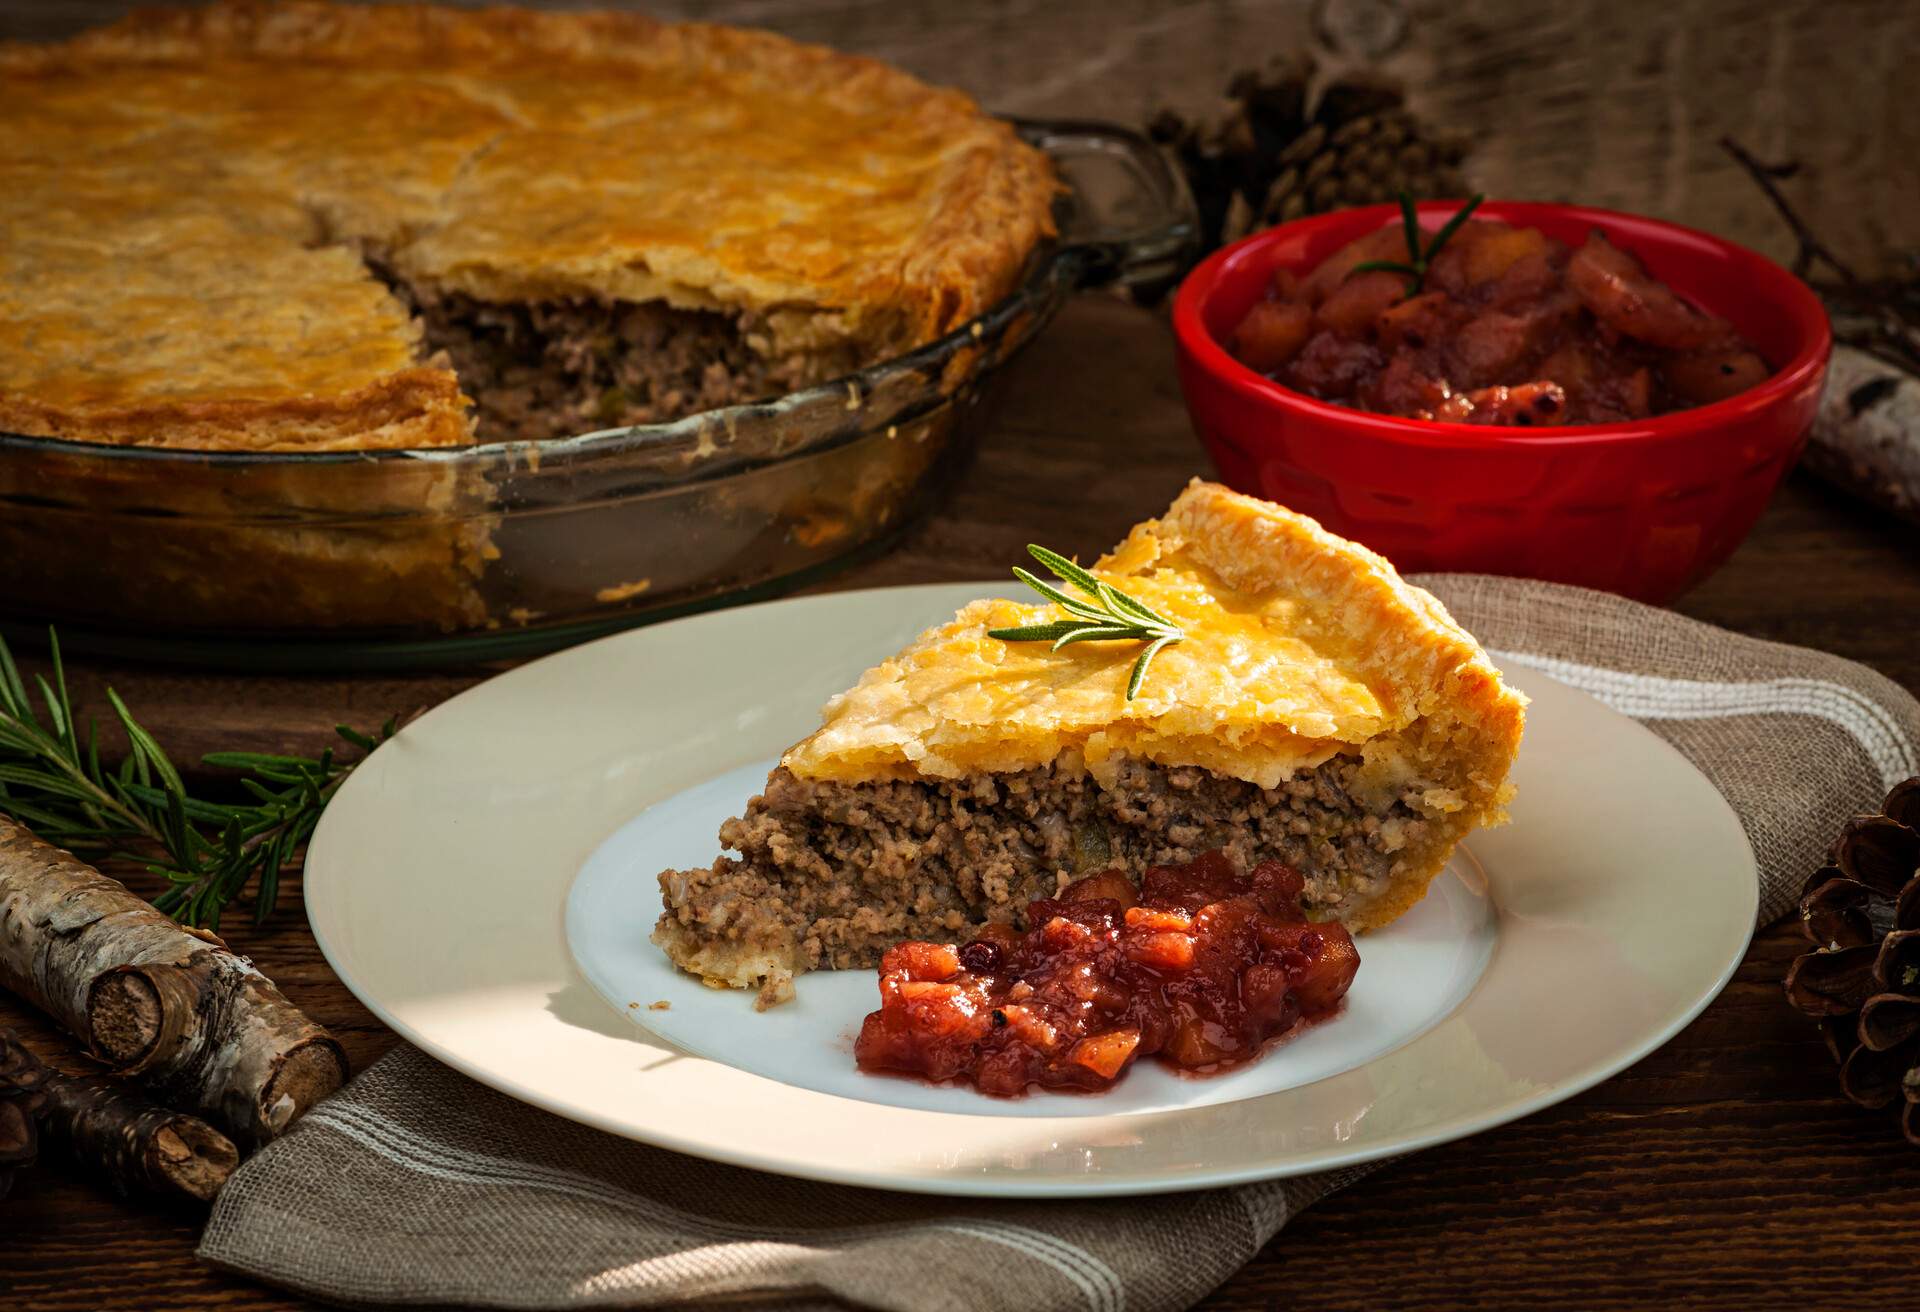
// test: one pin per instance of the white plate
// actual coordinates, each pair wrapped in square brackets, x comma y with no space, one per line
[451,871]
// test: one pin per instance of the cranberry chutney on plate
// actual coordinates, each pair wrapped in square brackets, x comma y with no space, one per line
[1646,507]
[1201,967]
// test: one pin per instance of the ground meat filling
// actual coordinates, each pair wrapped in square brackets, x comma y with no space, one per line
[544,369]
[833,874]
[555,368]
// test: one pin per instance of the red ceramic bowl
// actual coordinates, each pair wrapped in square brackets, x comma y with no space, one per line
[1647,508]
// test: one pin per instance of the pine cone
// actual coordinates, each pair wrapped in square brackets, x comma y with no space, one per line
[21,1078]
[1276,152]
[1862,910]
[1368,158]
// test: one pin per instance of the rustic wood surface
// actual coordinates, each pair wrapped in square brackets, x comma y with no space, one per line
[1723,1170]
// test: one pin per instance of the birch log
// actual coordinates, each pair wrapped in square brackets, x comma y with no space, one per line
[170,1006]
[112,1129]
[134,1142]
[1867,438]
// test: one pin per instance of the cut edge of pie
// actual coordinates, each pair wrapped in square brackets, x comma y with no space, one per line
[739,214]
[1320,711]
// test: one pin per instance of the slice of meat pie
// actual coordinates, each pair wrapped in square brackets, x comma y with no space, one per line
[1316,709]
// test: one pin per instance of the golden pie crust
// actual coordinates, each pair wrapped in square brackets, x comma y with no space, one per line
[1300,646]
[187,197]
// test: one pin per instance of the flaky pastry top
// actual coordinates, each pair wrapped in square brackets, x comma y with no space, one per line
[186,196]
[1299,645]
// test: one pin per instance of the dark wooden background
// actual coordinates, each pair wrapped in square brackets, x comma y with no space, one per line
[1722,1171]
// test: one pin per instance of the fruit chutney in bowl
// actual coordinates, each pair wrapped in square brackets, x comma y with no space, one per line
[1541,390]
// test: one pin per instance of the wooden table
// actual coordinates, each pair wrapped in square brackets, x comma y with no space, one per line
[1723,1168]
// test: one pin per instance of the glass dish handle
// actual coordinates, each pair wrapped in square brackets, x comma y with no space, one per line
[1128,217]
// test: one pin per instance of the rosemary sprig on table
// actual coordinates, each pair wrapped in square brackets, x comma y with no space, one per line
[1110,616]
[52,780]
[1417,263]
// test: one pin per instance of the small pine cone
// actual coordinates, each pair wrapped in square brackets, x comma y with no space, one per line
[1268,155]
[1362,148]
[21,1079]
[1862,912]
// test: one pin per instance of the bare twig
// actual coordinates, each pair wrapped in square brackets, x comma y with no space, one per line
[1812,249]
[1880,316]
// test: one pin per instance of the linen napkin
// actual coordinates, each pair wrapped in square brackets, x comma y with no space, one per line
[416,1185]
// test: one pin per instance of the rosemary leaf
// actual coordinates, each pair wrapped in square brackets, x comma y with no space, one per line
[1095,633]
[50,825]
[1384,266]
[355,737]
[54,785]
[199,812]
[1066,569]
[260,791]
[1453,225]
[1037,632]
[1073,605]
[13,693]
[1120,601]
[257,761]
[55,709]
[143,744]
[269,891]
[1139,675]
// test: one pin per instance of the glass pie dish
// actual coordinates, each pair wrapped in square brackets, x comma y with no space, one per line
[417,557]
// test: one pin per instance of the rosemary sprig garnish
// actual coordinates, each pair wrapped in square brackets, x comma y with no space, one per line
[1415,266]
[51,779]
[1109,616]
